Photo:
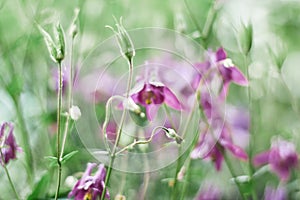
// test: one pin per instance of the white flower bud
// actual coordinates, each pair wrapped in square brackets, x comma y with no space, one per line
[131,105]
[75,113]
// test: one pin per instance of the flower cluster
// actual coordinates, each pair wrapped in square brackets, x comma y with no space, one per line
[218,135]
[282,158]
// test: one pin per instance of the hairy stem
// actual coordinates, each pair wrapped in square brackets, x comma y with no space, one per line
[59,109]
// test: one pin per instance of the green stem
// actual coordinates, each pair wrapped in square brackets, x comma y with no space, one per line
[70,99]
[59,109]
[113,153]
[8,176]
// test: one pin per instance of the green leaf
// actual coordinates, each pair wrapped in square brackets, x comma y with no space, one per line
[41,187]
[68,156]
[52,160]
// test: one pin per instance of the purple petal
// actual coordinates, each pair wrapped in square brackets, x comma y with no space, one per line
[220,54]
[218,156]
[151,111]
[87,173]
[235,150]
[238,77]
[262,158]
[171,100]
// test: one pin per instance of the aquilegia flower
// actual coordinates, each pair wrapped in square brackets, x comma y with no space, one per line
[282,158]
[208,148]
[228,71]
[152,95]
[9,146]
[90,187]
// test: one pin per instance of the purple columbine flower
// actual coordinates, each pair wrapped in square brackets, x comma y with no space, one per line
[275,194]
[10,146]
[152,95]
[228,71]
[90,187]
[282,158]
[209,148]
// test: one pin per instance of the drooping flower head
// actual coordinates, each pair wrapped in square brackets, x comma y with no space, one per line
[154,94]
[9,146]
[90,187]
[282,158]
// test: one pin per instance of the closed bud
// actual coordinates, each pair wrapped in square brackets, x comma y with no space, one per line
[124,41]
[75,113]
[49,43]
[170,133]
[55,48]
[60,39]
[74,26]
[278,55]
[246,38]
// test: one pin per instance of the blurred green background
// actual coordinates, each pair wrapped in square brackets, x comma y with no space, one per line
[26,86]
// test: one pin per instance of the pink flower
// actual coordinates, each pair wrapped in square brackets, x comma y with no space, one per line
[90,187]
[209,148]
[228,71]
[282,158]
[152,95]
[10,146]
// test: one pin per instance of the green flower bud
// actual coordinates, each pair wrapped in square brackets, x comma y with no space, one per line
[246,38]
[74,26]
[60,39]
[56,49]
[49,44]
[124,40]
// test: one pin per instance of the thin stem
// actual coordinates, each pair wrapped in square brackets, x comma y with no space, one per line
[137,142]
[70,101]
[146,179]
[59,109]
[113,154]
[107,116]
[8,176]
